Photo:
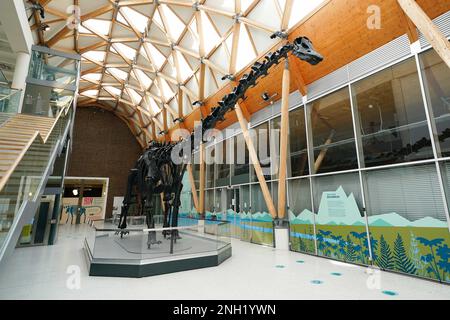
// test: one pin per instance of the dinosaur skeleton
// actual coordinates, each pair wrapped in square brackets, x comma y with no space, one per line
[155,171]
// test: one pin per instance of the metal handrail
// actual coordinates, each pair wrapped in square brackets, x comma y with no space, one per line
[9,95]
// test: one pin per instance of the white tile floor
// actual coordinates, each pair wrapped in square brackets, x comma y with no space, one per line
[251,273]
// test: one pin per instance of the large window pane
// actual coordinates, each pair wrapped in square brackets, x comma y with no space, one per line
[333,136]
[301,217]
[408,222]
[240,168]
[209,160]
[392,117]
[261,220]
[340,223]
[261,141]
[436,76]
[275,127]
[297,143]
[223,166]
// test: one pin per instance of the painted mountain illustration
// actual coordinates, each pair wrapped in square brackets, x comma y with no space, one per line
[305,217]
[336,208]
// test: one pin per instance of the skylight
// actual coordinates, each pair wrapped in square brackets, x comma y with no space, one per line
[125,50]
[82,29]
[246,53]
[113,90]
[156,56]
[98,26]
[209,33]
[121,19]
[154,108]
[143,78]
[175,25]
[93,76]
[301,9]
[144,54]
[90,93]
[166,90]
[245,4]
[95,55]
[122,75]
[138,20]
[153,68]
[185,69]
[134,95]
[157,20]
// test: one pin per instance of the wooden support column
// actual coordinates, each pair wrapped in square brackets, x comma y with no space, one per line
[201,204]
[193,188]
[255,161]
[180,104]
[323,152]
[283,141]
[434,36]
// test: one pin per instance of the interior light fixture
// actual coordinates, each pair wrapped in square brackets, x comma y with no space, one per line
[75,192]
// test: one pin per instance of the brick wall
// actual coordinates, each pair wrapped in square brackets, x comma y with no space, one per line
[103,146]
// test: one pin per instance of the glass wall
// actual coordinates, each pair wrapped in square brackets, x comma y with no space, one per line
[363,184]
[223,165]
[392,118]
[297,144]
[261,220]
[240,173]
[340,222]
[261,141]
[332,133]
[301,216]
[437,87]
[408,222]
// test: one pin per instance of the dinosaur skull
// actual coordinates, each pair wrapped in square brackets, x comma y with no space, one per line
[303,49]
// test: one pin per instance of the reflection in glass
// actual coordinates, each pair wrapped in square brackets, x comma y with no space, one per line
[45,101]
[54,68]
[297,143]
[436,76]
[332,130]
[245,215]
[392,116]
[261,141]
[209,163]
[261,220]
[240,167]
[222,163]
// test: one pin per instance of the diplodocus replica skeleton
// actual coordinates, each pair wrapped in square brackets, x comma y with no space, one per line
[155,171]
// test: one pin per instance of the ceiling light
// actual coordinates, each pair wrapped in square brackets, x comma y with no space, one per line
[75,192]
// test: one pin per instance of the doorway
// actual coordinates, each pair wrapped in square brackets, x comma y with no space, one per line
[36,233]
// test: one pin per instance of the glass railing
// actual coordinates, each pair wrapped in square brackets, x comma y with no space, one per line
[53,68]
[9,101]
[25,182]
[109,243]
[45,101]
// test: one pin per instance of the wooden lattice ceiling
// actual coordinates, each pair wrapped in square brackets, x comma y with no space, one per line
[148,61]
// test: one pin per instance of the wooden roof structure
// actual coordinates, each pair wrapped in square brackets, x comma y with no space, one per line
[148,61]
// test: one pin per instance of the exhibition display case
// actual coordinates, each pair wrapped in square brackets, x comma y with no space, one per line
[141,251]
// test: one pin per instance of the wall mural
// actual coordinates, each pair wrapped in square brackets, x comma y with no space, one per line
[419,247]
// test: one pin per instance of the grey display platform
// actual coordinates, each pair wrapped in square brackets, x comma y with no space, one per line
[112,256]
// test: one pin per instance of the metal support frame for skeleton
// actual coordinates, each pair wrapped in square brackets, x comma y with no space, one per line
[156,173]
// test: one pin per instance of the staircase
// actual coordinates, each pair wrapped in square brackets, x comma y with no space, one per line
[28,147]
